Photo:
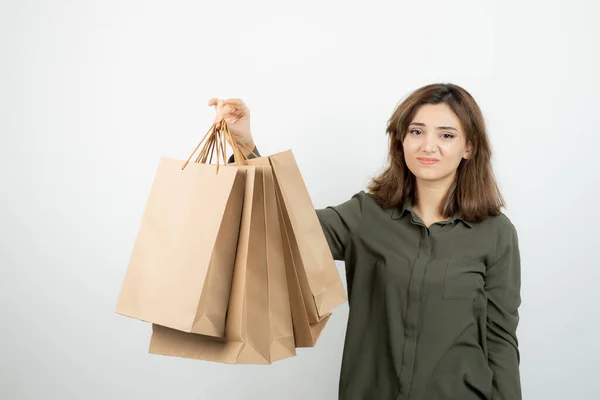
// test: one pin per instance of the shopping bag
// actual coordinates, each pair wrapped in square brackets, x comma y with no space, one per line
[306,333]
[320,282]
[181,267]
[259,328]
[280,317]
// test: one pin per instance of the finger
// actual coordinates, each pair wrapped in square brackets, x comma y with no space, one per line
[239,103]
[220,112]
[217,122]
[229,109]
[217,104]
[213,102]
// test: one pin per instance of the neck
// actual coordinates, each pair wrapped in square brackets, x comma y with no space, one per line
[429,198]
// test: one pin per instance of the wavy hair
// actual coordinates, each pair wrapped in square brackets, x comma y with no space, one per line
[474,193]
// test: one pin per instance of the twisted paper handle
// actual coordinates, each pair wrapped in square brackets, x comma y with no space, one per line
[215,141]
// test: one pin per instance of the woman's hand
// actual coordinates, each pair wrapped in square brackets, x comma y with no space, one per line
[237,116]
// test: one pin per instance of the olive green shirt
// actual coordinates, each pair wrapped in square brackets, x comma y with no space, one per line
[433,310]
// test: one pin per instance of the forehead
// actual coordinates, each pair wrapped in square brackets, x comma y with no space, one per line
[436,115]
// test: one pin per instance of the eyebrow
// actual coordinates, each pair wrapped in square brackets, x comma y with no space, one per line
[439,127]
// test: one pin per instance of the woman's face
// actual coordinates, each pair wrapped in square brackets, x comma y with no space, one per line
[435,143]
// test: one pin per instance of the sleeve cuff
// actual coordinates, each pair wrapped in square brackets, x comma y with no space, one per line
[251,156]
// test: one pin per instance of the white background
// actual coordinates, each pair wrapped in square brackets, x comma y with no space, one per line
[93,93]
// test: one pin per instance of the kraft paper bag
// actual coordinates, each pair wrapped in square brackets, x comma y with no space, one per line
[281,329]
[320,282]
[253,333]
[306,333]
[181,267]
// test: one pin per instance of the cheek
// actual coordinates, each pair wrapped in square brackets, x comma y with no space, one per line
[410,146]
[410,154]
[451,152]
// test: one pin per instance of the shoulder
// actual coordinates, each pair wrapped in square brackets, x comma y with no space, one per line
[499,225]
[368,204]
[500,232]
[356,206]
[351,208]
[362,199]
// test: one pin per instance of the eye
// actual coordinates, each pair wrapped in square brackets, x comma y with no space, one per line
[415,132]
[447,135]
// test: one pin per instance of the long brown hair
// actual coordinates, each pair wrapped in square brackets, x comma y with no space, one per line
[474,193]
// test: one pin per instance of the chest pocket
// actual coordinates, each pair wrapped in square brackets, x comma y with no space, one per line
[463,279]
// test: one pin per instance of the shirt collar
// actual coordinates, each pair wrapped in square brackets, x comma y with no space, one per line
[399,211]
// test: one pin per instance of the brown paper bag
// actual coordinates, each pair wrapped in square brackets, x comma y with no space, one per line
[281,326]
[259,328]
[181,266]
[306,333]
[297,325]
[320,282]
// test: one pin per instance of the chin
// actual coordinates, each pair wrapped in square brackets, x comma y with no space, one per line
[427,173]
[428,177]
[432,176]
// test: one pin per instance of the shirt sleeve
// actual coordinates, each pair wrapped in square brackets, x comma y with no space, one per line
[339,222]
[255,154]
[503,287]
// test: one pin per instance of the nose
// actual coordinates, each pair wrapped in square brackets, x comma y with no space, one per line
[428,144]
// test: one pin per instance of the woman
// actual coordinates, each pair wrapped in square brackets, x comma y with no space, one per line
[432,264]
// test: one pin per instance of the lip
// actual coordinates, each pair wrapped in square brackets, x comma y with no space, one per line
[427,161]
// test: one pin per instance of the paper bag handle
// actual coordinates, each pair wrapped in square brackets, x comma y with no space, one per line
[216,140]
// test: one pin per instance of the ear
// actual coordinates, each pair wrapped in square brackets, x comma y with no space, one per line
[468,151]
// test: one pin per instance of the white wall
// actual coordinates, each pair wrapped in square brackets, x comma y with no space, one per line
[93,93]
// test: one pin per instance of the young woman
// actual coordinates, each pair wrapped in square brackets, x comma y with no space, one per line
[432,264]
